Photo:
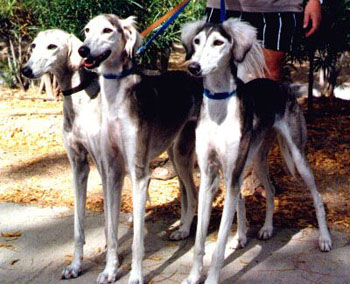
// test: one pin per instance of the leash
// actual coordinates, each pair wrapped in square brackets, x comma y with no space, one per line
[173,14]
[222,11]
[83,85]
[162,19]
[219,96]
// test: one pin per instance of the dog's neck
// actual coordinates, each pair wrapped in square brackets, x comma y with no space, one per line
[219,81]
[114,90]
[223,79]
[115,65]
[64,76]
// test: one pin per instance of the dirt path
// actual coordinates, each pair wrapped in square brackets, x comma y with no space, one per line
[34,168]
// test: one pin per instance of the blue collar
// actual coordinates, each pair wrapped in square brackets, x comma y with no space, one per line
[219,96]
[121,75]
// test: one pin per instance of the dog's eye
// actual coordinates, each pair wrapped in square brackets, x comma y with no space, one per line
[218,42]
[87,30]
[33,46]
[51,46]
[197,41]
[107,31]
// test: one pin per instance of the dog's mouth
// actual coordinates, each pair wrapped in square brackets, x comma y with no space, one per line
[92,62]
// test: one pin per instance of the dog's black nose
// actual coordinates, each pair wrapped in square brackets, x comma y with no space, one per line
[84,51]
[27,71]
[194,68]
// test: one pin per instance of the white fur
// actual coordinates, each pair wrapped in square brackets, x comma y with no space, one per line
[81,121]
[218,139]
[120,135]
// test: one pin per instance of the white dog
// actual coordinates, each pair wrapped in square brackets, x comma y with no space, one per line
[56,52]
[236,125]
[141,117]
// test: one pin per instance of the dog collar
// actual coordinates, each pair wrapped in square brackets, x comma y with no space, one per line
[83,85]
[219,96]
[121,75]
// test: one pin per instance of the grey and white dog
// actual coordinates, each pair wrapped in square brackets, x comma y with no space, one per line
[56,52]
[236,126]
[141,117]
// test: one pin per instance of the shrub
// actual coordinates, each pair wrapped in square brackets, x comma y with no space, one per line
[72,16]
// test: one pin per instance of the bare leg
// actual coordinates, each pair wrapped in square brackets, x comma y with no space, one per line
[274,62]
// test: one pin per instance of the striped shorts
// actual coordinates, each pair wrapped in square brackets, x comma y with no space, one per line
[277,31]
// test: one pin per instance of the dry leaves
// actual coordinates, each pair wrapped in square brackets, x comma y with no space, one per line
[328,149]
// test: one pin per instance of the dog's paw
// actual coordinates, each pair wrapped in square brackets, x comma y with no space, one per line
[265,233]
[238,242]
[325,243]
[107,276]
[71,271]
[135,278]
[190,280]
[179,235]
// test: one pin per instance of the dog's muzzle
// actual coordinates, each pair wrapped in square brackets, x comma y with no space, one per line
[195,69]
[90,61]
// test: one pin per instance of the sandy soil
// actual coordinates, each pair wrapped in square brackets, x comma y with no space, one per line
[34,168]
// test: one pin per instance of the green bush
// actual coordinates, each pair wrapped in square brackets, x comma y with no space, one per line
[72,16]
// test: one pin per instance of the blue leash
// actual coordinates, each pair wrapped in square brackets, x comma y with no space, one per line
[162,29]
[222,11]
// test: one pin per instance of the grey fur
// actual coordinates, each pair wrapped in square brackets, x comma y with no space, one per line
[261,109]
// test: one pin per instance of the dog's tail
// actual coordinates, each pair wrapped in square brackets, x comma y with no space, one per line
[253,66]
[287,156]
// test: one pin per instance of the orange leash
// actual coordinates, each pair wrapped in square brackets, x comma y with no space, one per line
[162,19]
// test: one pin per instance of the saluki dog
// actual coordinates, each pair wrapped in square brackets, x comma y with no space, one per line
[237,124]
[56,52]
[142,116]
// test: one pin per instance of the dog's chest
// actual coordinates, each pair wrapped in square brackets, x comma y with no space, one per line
[220,133]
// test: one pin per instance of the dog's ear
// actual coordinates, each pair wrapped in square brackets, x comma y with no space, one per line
[74,59]
[243,37]
[132,37]
[188,32]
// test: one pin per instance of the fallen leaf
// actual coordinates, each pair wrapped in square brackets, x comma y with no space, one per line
[11,234]
[12,262]
[8,246]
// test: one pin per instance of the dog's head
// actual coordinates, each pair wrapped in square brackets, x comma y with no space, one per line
[213,46]
[52,51]
[109,38]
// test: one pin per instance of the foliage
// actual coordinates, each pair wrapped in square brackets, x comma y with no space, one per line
[330,42]
[72,16]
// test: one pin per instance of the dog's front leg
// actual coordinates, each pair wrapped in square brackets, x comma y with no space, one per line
[81,169]
[113,175]
[140,179]
[230,205]
[209,183]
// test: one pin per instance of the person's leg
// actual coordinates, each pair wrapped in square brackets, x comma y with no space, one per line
[274,62]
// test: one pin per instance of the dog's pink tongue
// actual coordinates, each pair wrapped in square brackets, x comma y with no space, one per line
[88,64]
